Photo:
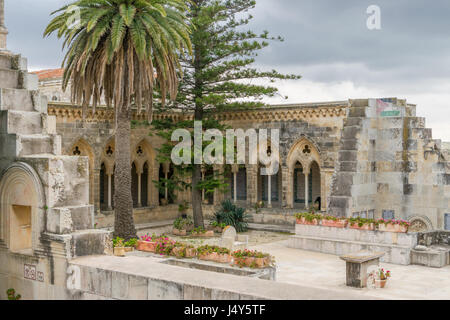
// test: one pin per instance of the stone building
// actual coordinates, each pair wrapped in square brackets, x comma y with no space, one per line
[348,155]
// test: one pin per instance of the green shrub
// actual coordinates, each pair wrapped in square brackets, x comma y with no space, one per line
[232,215]
[181,223]
[132,243]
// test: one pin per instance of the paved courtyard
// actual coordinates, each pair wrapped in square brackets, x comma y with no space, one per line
[320,270]
[323,271]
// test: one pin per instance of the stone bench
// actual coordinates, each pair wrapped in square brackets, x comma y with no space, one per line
[357,265]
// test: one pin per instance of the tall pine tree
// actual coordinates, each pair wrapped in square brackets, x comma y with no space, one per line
[216,78]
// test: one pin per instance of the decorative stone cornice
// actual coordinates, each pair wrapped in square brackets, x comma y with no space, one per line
[274,113]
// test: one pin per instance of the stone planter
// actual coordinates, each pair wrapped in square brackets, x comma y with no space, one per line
[308,223]
[367,227]
[146,246]
[119,251]
[129,249]
[178,232]
[392,228]
[334,223]
[380,283]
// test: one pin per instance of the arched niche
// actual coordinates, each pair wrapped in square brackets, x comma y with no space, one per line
[22,208]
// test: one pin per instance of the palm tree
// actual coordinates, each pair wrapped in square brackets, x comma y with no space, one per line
[121,49]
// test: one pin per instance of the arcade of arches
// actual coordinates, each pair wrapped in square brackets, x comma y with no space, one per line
[308,147]
[303,185]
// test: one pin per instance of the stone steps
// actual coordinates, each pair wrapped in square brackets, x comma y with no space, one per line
[16,99]
[21,122]
[9,79]
[38,144]
[5,62]
[357,112]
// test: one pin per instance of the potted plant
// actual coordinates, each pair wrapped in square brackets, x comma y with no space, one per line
[308,218]
[147,243]
[11,293]
[119,248]
[382,277]
[214,253]
[182,208]
[130,245]
[398,226]
[251,259]
[201,232]
[361,223]
[191,252]
[218,227]
[164,245]
[331,221]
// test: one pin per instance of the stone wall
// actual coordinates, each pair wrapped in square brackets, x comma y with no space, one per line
[315,125]
[389,166]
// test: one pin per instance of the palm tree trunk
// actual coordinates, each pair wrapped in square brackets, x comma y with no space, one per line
[123,201]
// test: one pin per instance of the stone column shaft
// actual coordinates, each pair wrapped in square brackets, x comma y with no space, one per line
[306,190]
[109,192]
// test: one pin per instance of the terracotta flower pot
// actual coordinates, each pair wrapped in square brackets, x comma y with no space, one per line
[250,261]
[380,283]
[334,223]
[308,223]
[262,262]
[146,246]
[224,258]
[368,227]
[191,252]
[119,251]
[179,232]
[392,228]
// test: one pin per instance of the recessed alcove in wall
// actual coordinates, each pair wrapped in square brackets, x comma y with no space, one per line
[21,226]
[22,208]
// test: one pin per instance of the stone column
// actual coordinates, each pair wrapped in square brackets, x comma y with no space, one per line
[153,190]
[3,29]
[269,194]
[109,192]
[306,189]
[286,187]
[252,184]
[235,170]
[139,204]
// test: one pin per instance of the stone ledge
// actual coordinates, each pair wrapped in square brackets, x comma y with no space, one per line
[171,282]
[394,254]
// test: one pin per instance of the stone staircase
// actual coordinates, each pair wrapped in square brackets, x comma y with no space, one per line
[390,163]
[28,134]
[347,165]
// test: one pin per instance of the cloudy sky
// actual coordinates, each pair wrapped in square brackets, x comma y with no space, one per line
[326,41]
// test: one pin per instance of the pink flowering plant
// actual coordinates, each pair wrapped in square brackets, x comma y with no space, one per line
[383,274]
[149,238]
[393,222]
[164,245]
